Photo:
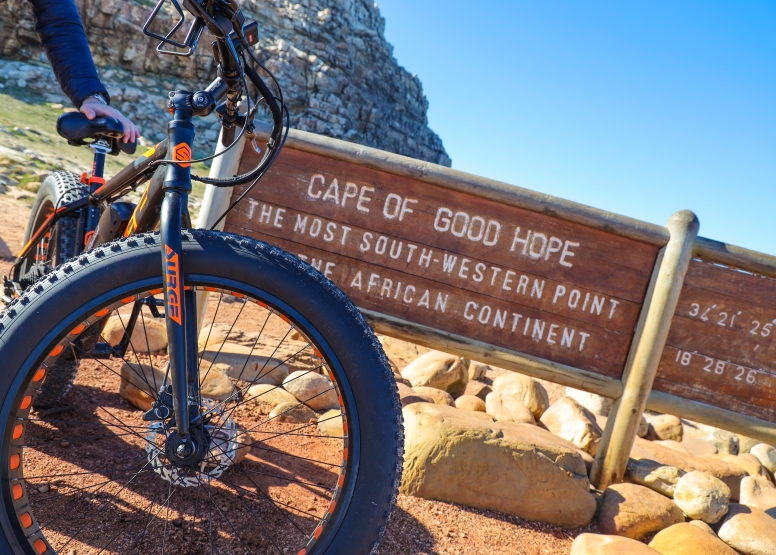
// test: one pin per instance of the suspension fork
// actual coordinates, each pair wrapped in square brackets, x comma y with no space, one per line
[180,313]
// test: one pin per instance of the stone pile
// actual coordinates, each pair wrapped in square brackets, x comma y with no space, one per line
[336,68]
[503,445]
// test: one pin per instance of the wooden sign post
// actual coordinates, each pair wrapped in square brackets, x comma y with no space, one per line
[529,282]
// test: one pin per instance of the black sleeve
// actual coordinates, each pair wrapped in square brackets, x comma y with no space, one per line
[60,30]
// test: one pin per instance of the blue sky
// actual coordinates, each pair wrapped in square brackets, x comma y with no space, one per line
[640,108]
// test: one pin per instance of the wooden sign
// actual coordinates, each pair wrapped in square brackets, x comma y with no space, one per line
[721,349]
[455,262]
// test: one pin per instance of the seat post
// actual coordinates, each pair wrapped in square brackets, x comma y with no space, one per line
[101,147]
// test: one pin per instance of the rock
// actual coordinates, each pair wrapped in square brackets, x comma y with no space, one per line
[477,389]
[641,432]
[472,403]
[752,467]
[245,364]
[634,511]
[749,531]
[5,252]
[671,444]
[687,539]
[731,474]
[57,106]
[440,370]
[766,454]
[330,423]
[401,352]
[664,426]
[571,421]
[746,443]
[149,334]
[273,395]
[292,413]
[697,446]
[407,396]
[654,475]
[146,382]
[725,442]
[756,464]
[437,395]
[701,496]
[759,493]
[518,469]
[526,390]
[596,544]
[505,408]
[477,370]
[597,404]
[314,390]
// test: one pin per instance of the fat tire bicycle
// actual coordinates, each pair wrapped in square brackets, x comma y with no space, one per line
[269,421]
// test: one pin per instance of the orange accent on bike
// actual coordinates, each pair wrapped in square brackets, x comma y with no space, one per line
[103,312]
[318,353]
[173,276]
[16,461]
[84,178]
[344,425]
[40,546]
[331,507]
[17,492]
[182,154]
[261,304]
[98,180]
[345,454]
[26,520]
[88,238]
[341,402]
[341,481]
[39,375]
[17,431]
[283,317]
[213,289]
[303,552]
[127,300]
[78,329]
[187,288]
[155,291]
[238,295]
[26,402]
[318,532]
[132,225]
[58,349]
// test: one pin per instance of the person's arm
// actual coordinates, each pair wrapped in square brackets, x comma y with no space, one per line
[60,30]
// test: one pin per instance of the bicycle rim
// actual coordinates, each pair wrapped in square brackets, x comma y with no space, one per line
[90,476]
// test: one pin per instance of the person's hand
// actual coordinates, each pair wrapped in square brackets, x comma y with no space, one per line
[93,108]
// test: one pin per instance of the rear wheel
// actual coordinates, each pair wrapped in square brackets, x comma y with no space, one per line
[316,475]
[59,244]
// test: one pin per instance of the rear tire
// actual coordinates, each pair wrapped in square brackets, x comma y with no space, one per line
[58,189]
[38,450]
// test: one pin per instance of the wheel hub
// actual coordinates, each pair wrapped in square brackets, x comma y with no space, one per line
[203,455]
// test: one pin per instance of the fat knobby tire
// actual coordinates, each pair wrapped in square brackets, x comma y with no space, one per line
[54,304]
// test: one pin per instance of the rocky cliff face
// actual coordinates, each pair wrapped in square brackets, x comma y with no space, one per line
[331,57]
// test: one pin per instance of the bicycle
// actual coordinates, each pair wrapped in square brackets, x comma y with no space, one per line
[269,421]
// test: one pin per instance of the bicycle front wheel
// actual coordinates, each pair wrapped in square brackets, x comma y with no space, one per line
[298,410]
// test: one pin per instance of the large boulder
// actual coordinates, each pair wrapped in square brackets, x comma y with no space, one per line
[568,419]
[440,370]
[477,370]
[745,444]
[664,426]
[292,413]
[749,531]
[729,473]
[518,469]
[697,446]
[766,454]
[688,539]
[477,389]
[330,423]
[596,544]
[401,353]
[749,463]
[759,493]
[597,404]
[655,476]
[407,395]
[701,496]
[437,395]
[526,390]
[314,390]
[472,403]
[505,408]
[634,511]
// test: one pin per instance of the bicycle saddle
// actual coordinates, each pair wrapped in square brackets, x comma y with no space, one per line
[75,127]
